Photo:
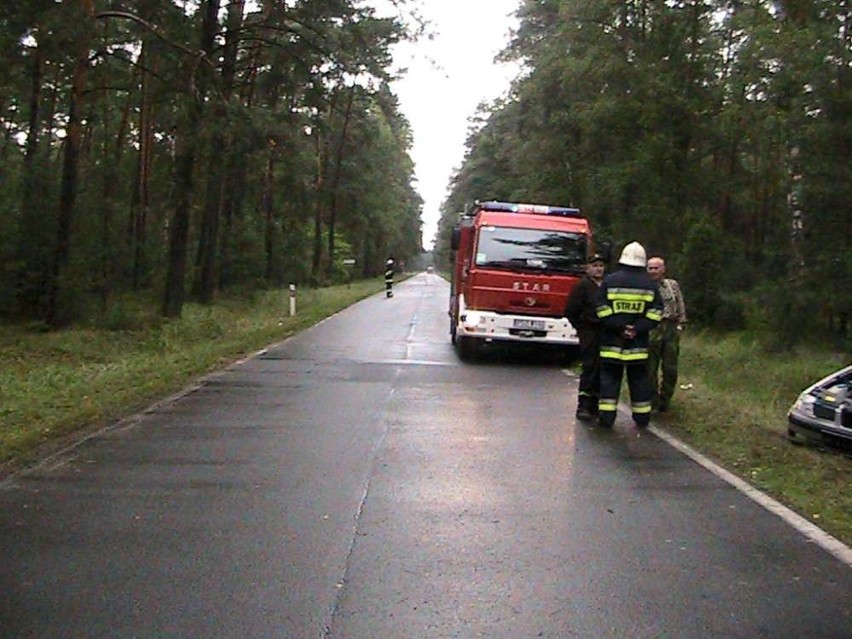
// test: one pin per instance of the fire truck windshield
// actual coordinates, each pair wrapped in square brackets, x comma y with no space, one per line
[531,249]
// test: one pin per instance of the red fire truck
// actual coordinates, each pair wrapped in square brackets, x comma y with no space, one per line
[514,266]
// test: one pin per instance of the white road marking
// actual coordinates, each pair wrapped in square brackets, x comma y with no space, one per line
[416,362]
[812,532]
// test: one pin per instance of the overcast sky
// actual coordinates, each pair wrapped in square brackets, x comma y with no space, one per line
[448,77]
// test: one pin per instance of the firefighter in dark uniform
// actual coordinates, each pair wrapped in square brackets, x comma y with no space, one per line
[629,306]
[389,277]
[581,311]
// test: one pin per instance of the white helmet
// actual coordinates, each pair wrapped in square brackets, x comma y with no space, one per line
[633,255]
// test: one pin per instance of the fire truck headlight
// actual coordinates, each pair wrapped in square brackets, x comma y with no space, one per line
[472,319]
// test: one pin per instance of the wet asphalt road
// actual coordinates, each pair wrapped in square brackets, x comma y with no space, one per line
[359,482]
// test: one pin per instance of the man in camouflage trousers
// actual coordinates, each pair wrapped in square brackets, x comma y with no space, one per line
[665,338]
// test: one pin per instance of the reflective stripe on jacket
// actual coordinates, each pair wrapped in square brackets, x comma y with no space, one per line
[627,297]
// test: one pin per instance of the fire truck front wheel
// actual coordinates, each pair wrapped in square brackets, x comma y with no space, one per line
[468,348]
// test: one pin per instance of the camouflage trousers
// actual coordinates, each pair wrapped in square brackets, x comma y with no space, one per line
[663,354]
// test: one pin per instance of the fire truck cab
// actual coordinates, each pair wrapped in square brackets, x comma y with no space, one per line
[513,267]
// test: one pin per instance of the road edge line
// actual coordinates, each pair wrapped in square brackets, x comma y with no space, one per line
[810,530]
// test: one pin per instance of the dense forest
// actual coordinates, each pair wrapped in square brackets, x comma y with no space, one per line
[176,149]
[716,132]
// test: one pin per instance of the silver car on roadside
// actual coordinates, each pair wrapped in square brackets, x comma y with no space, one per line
[822,414]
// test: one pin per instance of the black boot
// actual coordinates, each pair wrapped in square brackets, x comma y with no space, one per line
[606,420]
[587,407]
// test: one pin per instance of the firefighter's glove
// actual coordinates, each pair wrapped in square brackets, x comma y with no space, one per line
[629,332]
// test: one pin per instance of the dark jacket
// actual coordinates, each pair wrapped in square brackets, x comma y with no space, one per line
[581,309]
[627,298]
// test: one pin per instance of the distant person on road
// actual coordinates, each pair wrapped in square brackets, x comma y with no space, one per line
[665,338]
[389,277]
[581,311]
[629,306]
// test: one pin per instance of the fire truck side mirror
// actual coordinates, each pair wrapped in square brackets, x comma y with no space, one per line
[455,239]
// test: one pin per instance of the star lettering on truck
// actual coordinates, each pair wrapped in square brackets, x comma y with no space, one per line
[533,287]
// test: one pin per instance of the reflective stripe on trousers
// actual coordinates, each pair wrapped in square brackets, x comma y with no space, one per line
[638,383]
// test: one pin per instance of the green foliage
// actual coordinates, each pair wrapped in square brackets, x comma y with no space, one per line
[261,121]
[730,313]
[702,269]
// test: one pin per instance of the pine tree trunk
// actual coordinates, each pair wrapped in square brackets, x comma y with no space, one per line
[138,219]
[335,183]
[68,190]
[184,163]
[31,247]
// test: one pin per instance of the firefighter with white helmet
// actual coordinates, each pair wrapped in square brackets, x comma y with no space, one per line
[629,306]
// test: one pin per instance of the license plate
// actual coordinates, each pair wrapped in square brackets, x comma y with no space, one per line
[529,325]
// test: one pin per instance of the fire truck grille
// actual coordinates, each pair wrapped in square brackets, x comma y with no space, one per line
[519,332]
